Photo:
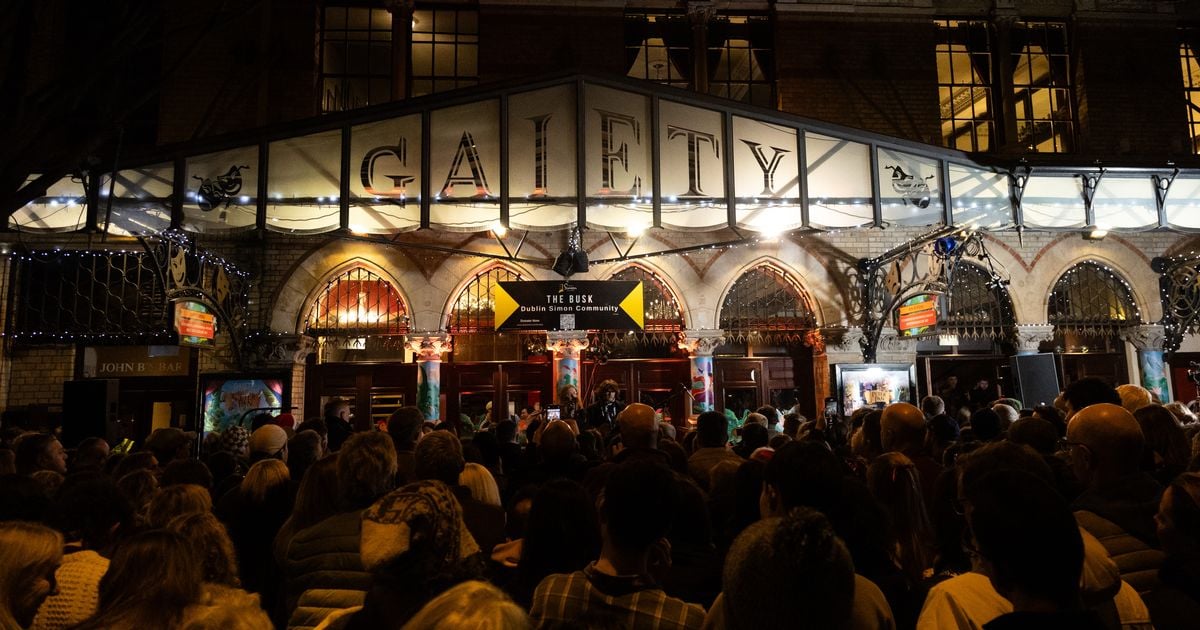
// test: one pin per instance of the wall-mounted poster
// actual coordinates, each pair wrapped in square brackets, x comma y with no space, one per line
[234,399]
[872,385]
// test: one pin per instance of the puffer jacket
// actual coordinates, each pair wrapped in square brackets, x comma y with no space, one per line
[325,608]
[325,557]
[1137,561]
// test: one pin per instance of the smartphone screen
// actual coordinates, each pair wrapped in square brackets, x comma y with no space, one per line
[553,412]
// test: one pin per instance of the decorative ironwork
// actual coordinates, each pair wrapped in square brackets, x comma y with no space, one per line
[933,263]
[662,312]
[1091,299]
[474,310]
[1179,289]
[766,301]
[358,303]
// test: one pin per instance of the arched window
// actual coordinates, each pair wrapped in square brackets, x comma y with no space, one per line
[978,304]
[662,313]
[474,310]
[1091,299]
[767,301]
[358,303]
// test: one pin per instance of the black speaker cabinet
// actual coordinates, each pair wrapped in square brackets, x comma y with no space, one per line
[89,409]
[1036,379]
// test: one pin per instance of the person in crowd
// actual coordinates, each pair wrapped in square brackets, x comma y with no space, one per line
[226,609]
[439,456]
[570,406]
[1167,451]
[694,571]
[415,546]
[1007,414]
[603,411]
[1175,602]
[986,426]
[894,481]
[553,453]
[8,462]
[472,604]
[932,406]
[322,429]
[1085,392]
[89,455]
[325,557]
[287,422]
[212,545]
[952,394]
[268,441]
[772,419]
[902,430]
[153,578]
[235,440]
[170,443]
[337,419]
[48,480]
[483,488]
[866,442]
[1051,414]
[1041,436]
[312,504]
[184,471]
[404,426]
[139,488]
[754,437]
[712,431]
[40,451]
[1119,501]
[1181,412]
[141,460]
[175,501]
[981,395]
[621,586]
[260,420]
[304,449]
[30,555]
[1133,397]
[562,535]
[797,554]
[791,424]
[941,433]
[511,455]
[254,513]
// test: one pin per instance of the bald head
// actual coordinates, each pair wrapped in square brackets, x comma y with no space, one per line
[902,427]
[1113,439]
[637,426]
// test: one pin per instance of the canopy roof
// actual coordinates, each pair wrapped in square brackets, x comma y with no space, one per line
[645,155]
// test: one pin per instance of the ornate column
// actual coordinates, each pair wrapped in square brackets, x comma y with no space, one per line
[699,13]
[427,350]
[566,344]
[1030,336]
[1148,340]
[700,345]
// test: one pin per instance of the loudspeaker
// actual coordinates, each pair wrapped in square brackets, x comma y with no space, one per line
[89,406]
[571,262]
[1036,379]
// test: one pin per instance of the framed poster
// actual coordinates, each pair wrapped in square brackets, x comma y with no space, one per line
[874,385]
[234,399]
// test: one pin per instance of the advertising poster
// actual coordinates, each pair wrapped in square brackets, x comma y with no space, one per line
[232,400]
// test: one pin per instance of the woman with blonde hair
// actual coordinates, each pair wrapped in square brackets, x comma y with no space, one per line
[29,556]
[212,544]
[472,605]
[173,501]
[479,480]
[254,512]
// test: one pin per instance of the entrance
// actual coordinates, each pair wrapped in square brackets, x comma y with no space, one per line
[374,390]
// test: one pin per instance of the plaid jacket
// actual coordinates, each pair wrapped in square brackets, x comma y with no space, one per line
[591,597]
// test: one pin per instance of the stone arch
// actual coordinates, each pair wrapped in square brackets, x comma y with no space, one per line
[1129,264]
[357,262]
[461,285]
[666,280]
[788,275]
[810,269]
[1102,268]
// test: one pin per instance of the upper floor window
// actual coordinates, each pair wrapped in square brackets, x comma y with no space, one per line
[1042,87]
[736,61]
[1191,91]
[445,50]
[356,57]
[965,85]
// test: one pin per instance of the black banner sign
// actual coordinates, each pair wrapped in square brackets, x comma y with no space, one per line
[582,305]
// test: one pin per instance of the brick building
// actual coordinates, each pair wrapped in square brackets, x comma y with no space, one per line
[1063,107]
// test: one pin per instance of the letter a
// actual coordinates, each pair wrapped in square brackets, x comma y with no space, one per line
[466,149]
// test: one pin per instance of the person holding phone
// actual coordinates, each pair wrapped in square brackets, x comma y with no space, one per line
[568,401]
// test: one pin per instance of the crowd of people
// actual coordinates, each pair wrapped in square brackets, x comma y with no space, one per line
[1085,514]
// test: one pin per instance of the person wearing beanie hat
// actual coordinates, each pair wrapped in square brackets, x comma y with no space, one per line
[170,443]
[236,441]
[287,422]
[268,442]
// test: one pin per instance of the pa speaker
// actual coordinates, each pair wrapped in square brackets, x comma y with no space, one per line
[580,261]
[89,409]
[1036,378]
[564,265]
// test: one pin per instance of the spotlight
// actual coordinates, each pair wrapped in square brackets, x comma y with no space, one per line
[1095,233]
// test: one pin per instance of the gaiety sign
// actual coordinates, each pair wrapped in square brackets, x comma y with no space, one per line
[583,305]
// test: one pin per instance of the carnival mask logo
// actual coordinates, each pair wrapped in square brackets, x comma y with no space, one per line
[220,189]
[913,190]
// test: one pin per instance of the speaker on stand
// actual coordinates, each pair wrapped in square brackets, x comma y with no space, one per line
[1036,379]
[89,410]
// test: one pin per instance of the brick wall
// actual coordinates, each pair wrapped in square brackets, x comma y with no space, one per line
[38,374]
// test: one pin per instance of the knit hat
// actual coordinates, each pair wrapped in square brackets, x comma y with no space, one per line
[268,439]
[425,510]
[236,441]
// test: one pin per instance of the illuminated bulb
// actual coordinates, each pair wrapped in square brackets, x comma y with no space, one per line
[635,230]
[357,229]
[499,229]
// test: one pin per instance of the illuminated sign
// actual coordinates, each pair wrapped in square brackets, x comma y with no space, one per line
[583,305]
[196,324]
[918,315]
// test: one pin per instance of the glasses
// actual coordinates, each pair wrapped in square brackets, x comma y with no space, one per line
[1065,445]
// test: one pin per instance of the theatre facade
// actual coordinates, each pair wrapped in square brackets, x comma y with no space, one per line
[777,259]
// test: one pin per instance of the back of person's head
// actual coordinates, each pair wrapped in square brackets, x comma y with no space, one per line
[1035,433]
[791,424]
[1052,415]
[335,407]
[303,450]
[488,447]
[261,420]
[90,454]
[265,478]
[798,558]
[1002,456]
[1164,437]
[562,532]
[313,503]
[1133,397]
[439,456]
[778,440]
[404,425]
[141,460]
[139,488]
[506,431]
[192,471]
[226,609]
[208,537]
[804,474]
[471,604]
[638,426]
[1179,518]
[1113,439]
[268,441]
[944,429]
[28,552]
[1181,412]
[1089,391]
[152,578]
[175,501]
[33,453]
[1007,414]
[755,418]
[315,424]
[48,480]
[712,429]
[932,406]
[90,508]
[558,442]
[1026,536]
[639,503]
[895,483]
[224,465]
[754,436]
[770,413]
[366,469]
[479,480]
[986,425]
[869,434]
[901,427]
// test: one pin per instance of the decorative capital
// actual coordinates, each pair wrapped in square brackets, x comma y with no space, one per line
[701,11]
[567,344]
[401,7]
[1030,336]
[896,349]
[269,349]
[842,339]
[1146,337]
[429,346]
[700,343]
